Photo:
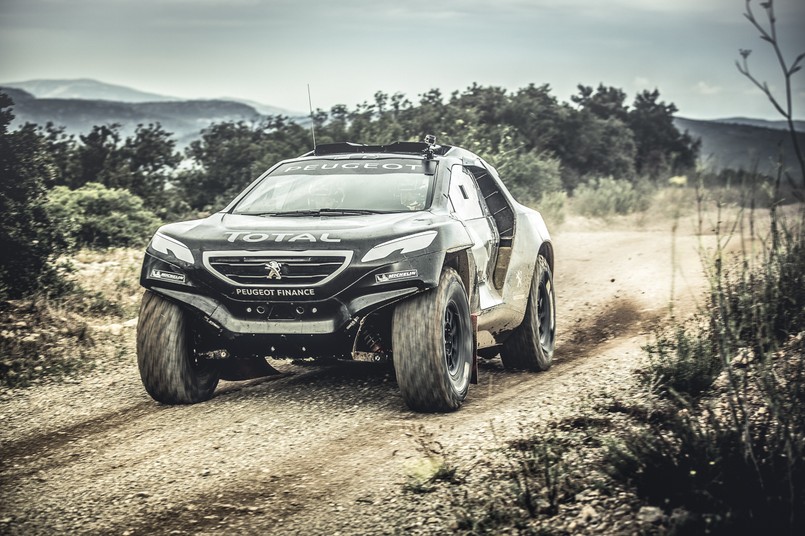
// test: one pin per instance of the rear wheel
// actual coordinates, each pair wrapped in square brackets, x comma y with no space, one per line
[432,346]
[171,371]
[531,345]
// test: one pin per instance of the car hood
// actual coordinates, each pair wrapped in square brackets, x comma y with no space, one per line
[224,231]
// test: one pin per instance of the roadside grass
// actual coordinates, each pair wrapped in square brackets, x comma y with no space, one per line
[730,450]
[605,197]
[552,206]
[48,338]
[608,198]
[544,483]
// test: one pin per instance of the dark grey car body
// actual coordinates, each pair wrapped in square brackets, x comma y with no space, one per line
[327,281]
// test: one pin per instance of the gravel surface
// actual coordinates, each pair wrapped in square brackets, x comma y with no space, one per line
[328,448]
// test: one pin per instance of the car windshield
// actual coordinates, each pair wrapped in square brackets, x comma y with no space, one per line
[341,187]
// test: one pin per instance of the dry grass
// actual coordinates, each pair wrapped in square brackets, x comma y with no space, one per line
[45,339]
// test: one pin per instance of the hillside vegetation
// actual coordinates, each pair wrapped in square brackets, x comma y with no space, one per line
[726,145]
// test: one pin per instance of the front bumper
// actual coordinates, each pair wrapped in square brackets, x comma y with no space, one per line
[327,309]
[335,317]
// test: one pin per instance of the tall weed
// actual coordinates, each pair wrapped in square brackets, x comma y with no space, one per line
[605,197]
[731,452]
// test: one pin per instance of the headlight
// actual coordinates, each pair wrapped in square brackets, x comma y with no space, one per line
[172,247]
[406,244]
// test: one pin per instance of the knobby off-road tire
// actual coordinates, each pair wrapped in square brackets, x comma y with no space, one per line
[169,368]
[432,346]
[531,345]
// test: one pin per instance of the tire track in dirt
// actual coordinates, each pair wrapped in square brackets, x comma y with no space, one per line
[266,501]
[40,444]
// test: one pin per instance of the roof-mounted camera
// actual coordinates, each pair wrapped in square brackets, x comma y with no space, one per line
[430,139]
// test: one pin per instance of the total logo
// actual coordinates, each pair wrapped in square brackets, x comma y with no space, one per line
[254,236]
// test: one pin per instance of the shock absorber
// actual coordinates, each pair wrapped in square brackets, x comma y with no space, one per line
[373,342]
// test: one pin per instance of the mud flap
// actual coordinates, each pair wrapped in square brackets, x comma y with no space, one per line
[235,369]
[474,324]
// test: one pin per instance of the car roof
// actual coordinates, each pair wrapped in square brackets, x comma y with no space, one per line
[397,148]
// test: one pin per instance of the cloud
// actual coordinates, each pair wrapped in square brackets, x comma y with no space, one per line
[641,82]
[703,88]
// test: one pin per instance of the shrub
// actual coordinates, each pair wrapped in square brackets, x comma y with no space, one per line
[684,363]
[529,176]
[605,197]
[736,461]
[552,207]
[98,217]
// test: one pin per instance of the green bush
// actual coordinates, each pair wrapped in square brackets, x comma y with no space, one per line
[552,207]
[530,176]
[605,197]
[684,363]
[98,217]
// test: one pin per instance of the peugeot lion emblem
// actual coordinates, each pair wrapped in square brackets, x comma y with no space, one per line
[273,268]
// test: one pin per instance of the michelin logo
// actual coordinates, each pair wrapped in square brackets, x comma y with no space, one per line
[394,276]
[167,276]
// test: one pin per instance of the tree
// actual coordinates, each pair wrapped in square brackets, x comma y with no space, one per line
[606,102]
[148,161]
[29,238]
[230,155]
[487,103]
[661,148]
[589,145]
[535,113]
[62,149]
[142,163]
[97,157]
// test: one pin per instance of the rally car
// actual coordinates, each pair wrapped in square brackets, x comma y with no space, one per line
[411,252]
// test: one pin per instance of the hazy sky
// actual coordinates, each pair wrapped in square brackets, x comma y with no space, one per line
[269,50]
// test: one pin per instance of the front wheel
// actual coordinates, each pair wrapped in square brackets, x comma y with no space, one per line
[171,371]
[432,346]
[531,345]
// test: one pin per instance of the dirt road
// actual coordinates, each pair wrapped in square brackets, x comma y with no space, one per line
[322,449]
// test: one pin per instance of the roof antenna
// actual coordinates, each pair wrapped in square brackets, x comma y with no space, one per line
[312,121]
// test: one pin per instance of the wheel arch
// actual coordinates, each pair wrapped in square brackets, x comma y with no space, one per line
[546,250]
[464,264]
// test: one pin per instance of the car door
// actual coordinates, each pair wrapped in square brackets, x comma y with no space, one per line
[469,207]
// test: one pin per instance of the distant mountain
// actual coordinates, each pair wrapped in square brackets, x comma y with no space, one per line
[741,146]
[763,123]
[185,119]
[266,109]
[84,88]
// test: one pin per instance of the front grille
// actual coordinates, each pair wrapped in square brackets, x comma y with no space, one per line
[284,269]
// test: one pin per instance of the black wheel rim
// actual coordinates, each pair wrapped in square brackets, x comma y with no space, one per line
[453,334]
[545,313]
